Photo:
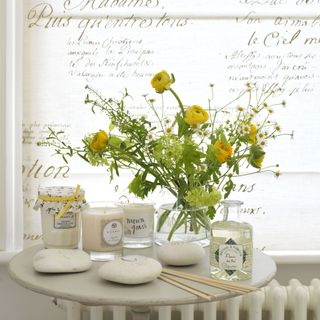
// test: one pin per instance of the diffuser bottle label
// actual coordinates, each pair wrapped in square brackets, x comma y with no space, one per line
[112,232]
[230,256]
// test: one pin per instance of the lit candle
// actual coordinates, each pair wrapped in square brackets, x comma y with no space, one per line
[138,225]
[102,230]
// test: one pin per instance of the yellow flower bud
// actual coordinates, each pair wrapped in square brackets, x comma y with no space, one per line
[223,152]
[256,156]
[253,134]
[195,116]
[161,81]
[99,141]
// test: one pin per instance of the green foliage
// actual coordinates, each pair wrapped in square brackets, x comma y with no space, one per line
[194,163]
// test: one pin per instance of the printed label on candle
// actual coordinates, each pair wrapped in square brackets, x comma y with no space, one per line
[112,232]
[137,226]
[67,221]
[231,256]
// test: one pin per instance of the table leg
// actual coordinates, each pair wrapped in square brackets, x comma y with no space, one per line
[140,313]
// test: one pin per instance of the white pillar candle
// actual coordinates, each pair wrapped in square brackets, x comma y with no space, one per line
[138,225]
[102,230]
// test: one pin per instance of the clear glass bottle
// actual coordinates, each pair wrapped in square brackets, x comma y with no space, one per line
[231,245]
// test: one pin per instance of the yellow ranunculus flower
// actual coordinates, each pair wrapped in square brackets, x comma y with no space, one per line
[99,142]
[161,81]
[195,115]
[223,152]
[253,134]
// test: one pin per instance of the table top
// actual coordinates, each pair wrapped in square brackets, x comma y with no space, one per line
[89,289]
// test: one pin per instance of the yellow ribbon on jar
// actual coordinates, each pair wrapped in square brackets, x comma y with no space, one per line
[69,199]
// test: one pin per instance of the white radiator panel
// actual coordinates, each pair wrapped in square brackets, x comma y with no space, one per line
[273,302]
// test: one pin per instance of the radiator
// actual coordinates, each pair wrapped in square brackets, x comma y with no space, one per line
[273,302]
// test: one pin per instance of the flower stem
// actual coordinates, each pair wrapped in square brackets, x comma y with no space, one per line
[179,101]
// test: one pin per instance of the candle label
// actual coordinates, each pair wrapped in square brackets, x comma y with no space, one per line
[66,221]
[112,232]
[138,226]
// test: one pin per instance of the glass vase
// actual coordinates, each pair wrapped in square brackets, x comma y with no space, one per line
[177,223]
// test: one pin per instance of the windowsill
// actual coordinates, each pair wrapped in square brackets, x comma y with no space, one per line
[295,256]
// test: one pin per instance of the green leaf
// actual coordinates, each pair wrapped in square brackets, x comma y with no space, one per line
[228,188]
[111,126]
[180,220]
[194,223]
[135,186]
[182,125]
[211,212]
[139,186]
[223,139]
[113,167]
[236,167]
[211,152]
[162,219]
[115,142]
[203,219]
[191,156]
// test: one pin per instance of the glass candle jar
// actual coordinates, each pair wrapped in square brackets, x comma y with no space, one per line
[138,224]
[60,215]
[102,230]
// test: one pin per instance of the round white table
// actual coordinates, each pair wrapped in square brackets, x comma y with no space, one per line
[88,288]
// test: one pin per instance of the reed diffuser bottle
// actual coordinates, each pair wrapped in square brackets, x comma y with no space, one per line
[231,245]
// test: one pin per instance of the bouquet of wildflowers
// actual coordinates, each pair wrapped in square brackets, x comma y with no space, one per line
[194,156]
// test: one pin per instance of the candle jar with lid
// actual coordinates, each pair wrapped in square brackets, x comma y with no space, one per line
[102,230]
[60,215]
[231,245]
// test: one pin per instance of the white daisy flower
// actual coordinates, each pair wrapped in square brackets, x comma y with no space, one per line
[270,110]
[277,127]
[167,121]
[262,142]
[150,136]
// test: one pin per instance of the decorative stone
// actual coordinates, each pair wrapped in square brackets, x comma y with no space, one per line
[178,253]
[131,270]
[61,261]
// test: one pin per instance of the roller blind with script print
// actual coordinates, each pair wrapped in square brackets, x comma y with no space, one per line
[119,44]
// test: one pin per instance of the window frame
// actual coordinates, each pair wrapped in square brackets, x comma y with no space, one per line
[11,235]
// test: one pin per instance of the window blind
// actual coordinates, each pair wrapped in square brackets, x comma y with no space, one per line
[113,45]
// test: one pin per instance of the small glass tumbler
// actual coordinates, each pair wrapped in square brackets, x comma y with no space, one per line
[60,215]
[102,230]
[138,224]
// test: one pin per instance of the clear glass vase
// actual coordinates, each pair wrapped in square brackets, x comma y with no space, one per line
[177,223]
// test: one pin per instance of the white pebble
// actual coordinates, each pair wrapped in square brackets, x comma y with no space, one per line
[61,261]
[178,253]
[131,270]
